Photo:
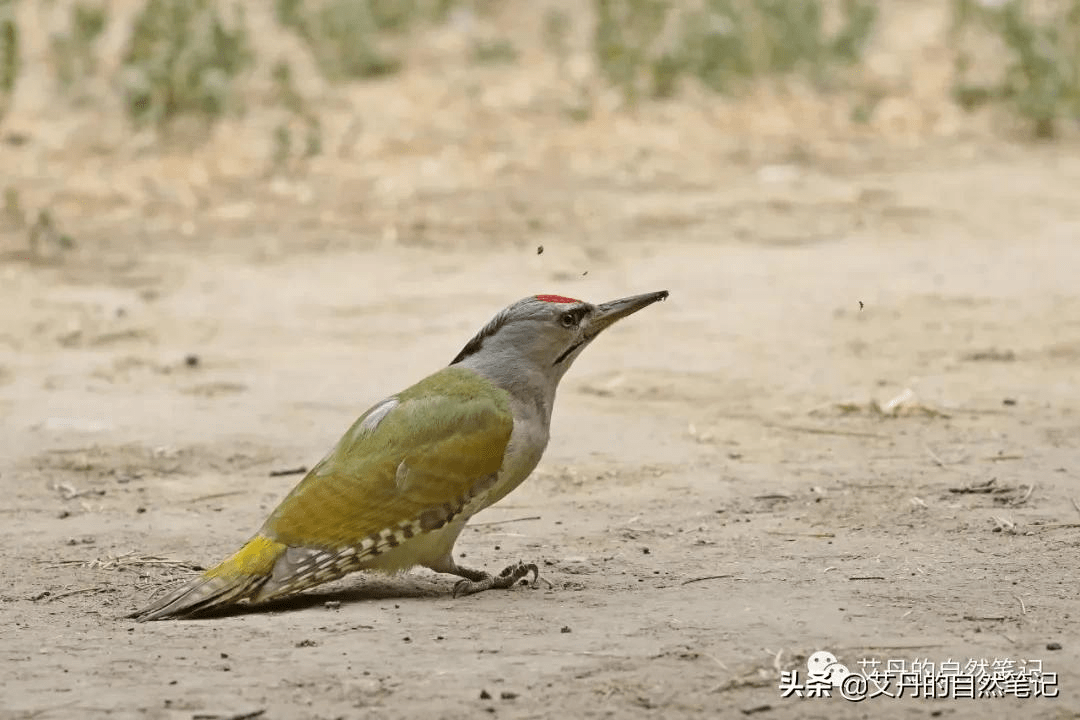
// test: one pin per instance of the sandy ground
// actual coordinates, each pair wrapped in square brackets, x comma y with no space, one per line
[853,427]
[729,432]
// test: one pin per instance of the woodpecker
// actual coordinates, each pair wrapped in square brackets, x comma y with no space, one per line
[398,488]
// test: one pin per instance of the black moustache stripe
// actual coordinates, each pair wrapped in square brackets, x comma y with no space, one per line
[569,350]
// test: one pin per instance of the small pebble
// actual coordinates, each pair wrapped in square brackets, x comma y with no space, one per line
[485,695]
[1053,646]
[565,629]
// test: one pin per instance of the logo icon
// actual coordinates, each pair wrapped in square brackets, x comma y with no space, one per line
[823,667]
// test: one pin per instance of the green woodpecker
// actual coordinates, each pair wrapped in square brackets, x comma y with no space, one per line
[399,487]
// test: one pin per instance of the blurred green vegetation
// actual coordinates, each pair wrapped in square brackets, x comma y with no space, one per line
[184,56]
[74,54]
[493,52]
[191,57]
[347,38]
[9,53]
[1040,80]
[344,35]
[649,46]
[302,128]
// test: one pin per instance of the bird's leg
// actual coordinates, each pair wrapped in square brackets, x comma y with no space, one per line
[475,581]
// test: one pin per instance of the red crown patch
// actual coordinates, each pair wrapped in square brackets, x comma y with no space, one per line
[560,299]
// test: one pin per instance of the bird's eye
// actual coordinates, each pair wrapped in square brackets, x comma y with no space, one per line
[568,320]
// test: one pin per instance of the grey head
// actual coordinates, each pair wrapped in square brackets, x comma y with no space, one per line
[528,347]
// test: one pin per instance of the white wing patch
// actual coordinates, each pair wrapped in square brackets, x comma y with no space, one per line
[365,427]
[401,477]
[368,424]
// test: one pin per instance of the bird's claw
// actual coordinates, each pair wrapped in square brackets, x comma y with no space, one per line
[505,579]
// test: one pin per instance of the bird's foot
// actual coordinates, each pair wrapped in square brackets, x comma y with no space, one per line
[478,581]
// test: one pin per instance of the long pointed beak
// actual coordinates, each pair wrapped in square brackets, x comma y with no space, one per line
[607,314]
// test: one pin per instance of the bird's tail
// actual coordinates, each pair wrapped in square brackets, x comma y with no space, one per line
[237,579]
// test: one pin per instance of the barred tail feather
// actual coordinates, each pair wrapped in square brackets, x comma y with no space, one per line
[237,579]
[201,595]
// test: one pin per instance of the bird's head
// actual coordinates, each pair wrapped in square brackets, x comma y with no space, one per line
[545,333]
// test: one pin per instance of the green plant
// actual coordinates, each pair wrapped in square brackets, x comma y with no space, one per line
[343,34]
[44,237]
[183,56]
[9,53]
[555,32]
[289,98]
[626,31]
[73,54]
[731,41]
[493,52]
[651,45]
[1040,80]
[12,212]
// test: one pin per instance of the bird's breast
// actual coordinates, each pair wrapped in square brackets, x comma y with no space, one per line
[527,443]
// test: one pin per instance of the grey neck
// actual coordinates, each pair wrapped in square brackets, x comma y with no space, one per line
[530,387]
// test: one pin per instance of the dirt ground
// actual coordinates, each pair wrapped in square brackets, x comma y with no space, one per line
[853,427]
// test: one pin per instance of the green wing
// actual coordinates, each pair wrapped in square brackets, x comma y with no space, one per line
[446,434]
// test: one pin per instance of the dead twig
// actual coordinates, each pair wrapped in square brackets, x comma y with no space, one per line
[68,492]
[988,486]
[1023,607]
[300,470]
[985,618]
[912,646]
[128,559]
[215,496]
[31,714]
[1075,504]
[800,534]
[756,709]
[1003,524]
[503,522]
[716,660]
[1021,501]
[82,591]
[953,466]
[867,577]
[933,456]
[703,579]
[826,431]
[234,716]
